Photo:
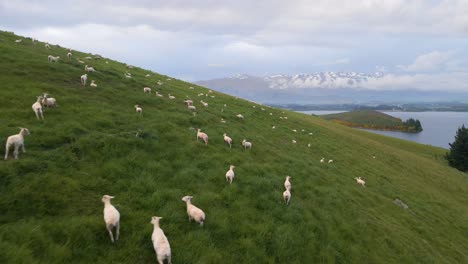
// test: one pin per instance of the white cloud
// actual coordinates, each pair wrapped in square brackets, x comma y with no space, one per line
[432,61]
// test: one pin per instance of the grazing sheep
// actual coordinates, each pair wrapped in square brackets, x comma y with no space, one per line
[89,69]
[204,104]
[171,96]
[287,196]
[287,183]
[281,117]
[88,58]
[223,121]
[47,46]
[271,113]
[322,160]
[192,107]
[194,212]
[80,61]
[240,116]
[294,141]
[18,41]
[16,141]
[111,217]
[147,90]
[37,108]
[286,118]
[360,181]
[138,109]
[147,75]
[93,84]
[160,83]
[228,140]
[246,144]
[202,136]
[69,56]
[34,40]
[308,145]
[84,77]
[188,102]
[273,127]
[51,58]
[158,94]
[294,130]
[230,174]
[191,88]
[160,243]
[49,101]
[330,161]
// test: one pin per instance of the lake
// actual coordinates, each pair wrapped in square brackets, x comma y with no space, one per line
[439,127]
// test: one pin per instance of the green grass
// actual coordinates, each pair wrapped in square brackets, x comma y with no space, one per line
[50,199]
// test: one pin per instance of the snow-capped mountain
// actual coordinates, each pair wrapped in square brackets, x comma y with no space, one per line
[324,88]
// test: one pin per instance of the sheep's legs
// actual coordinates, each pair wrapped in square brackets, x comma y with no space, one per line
[117,231]
[109,229]
[169,261]
[22,147]
[15,152]
[160,259]
[7,149]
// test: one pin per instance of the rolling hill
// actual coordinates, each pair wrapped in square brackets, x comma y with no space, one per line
[94,144]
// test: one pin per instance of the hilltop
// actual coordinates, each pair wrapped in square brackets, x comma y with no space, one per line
[94,144]
[371,119]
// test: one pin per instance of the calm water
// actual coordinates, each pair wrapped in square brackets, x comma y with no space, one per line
[439,127]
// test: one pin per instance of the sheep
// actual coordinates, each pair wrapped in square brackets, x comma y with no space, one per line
[191,88]
[160,83]
[84,77]
[228,140]
[37,108]
[330,161]
[201,94]
[287,183]
[223,121]
[294,141]
[273,127]
[202,136]
[93,84]
[34,40]
[360,181]
[159,95]
[271,114]
[194,212]
[240,116]
[188,102]
[147,75]
[171,96]
[246,144]
[16,141]
[192,107]
[294,130]
[80,61]
[138,109]
[287,196]
[230,174]
[286,118]
[168,79]
[88,58]
[147,90]
[51,58]
[111,217]
[89,69]
[160,243]
[69,55]
[47,46]
[18,41]
[210,91]
[322,160]
[308,145]
[204,104]
[48,101]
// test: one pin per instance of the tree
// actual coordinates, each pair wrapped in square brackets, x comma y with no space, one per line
[458,154]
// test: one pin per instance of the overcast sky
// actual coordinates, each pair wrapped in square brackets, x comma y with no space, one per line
[410,40]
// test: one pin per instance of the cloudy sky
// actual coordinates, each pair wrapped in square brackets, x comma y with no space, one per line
[409,40]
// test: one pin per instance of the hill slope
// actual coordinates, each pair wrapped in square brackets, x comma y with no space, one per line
[50,198]
[371,119]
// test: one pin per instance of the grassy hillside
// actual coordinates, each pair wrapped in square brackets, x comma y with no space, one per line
[50,199]
[369,119]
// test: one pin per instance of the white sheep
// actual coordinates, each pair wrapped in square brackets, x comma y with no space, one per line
[171,96]
[192,107]
[322,160]
[287,183]
[69,55]
[47,46]
[223,121]
[147,90]
[360,181]
[16,141]
[246,144]
[294,141]
[188,102]
[88,58]
[138,109]
[160,243]
[80,61]
[204,104]
[287,196]
[159,95]
[89,69]
[111,217]
[147,75]
[191,88]
[308,145]
[330,161]
[230,174]
[93,84]
[228,140]
[49,101]
[18,41]
[83,79]
[202,136]
[194,212]
[294,130]
[37,108]
[240,116]
[51,58]
[273,127]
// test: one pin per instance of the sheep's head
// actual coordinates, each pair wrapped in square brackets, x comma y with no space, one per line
[232,167]
[288,177]
[24,131]
[155,220]
[187,198]
[106,198]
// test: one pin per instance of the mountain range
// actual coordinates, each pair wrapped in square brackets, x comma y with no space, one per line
[323,88]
